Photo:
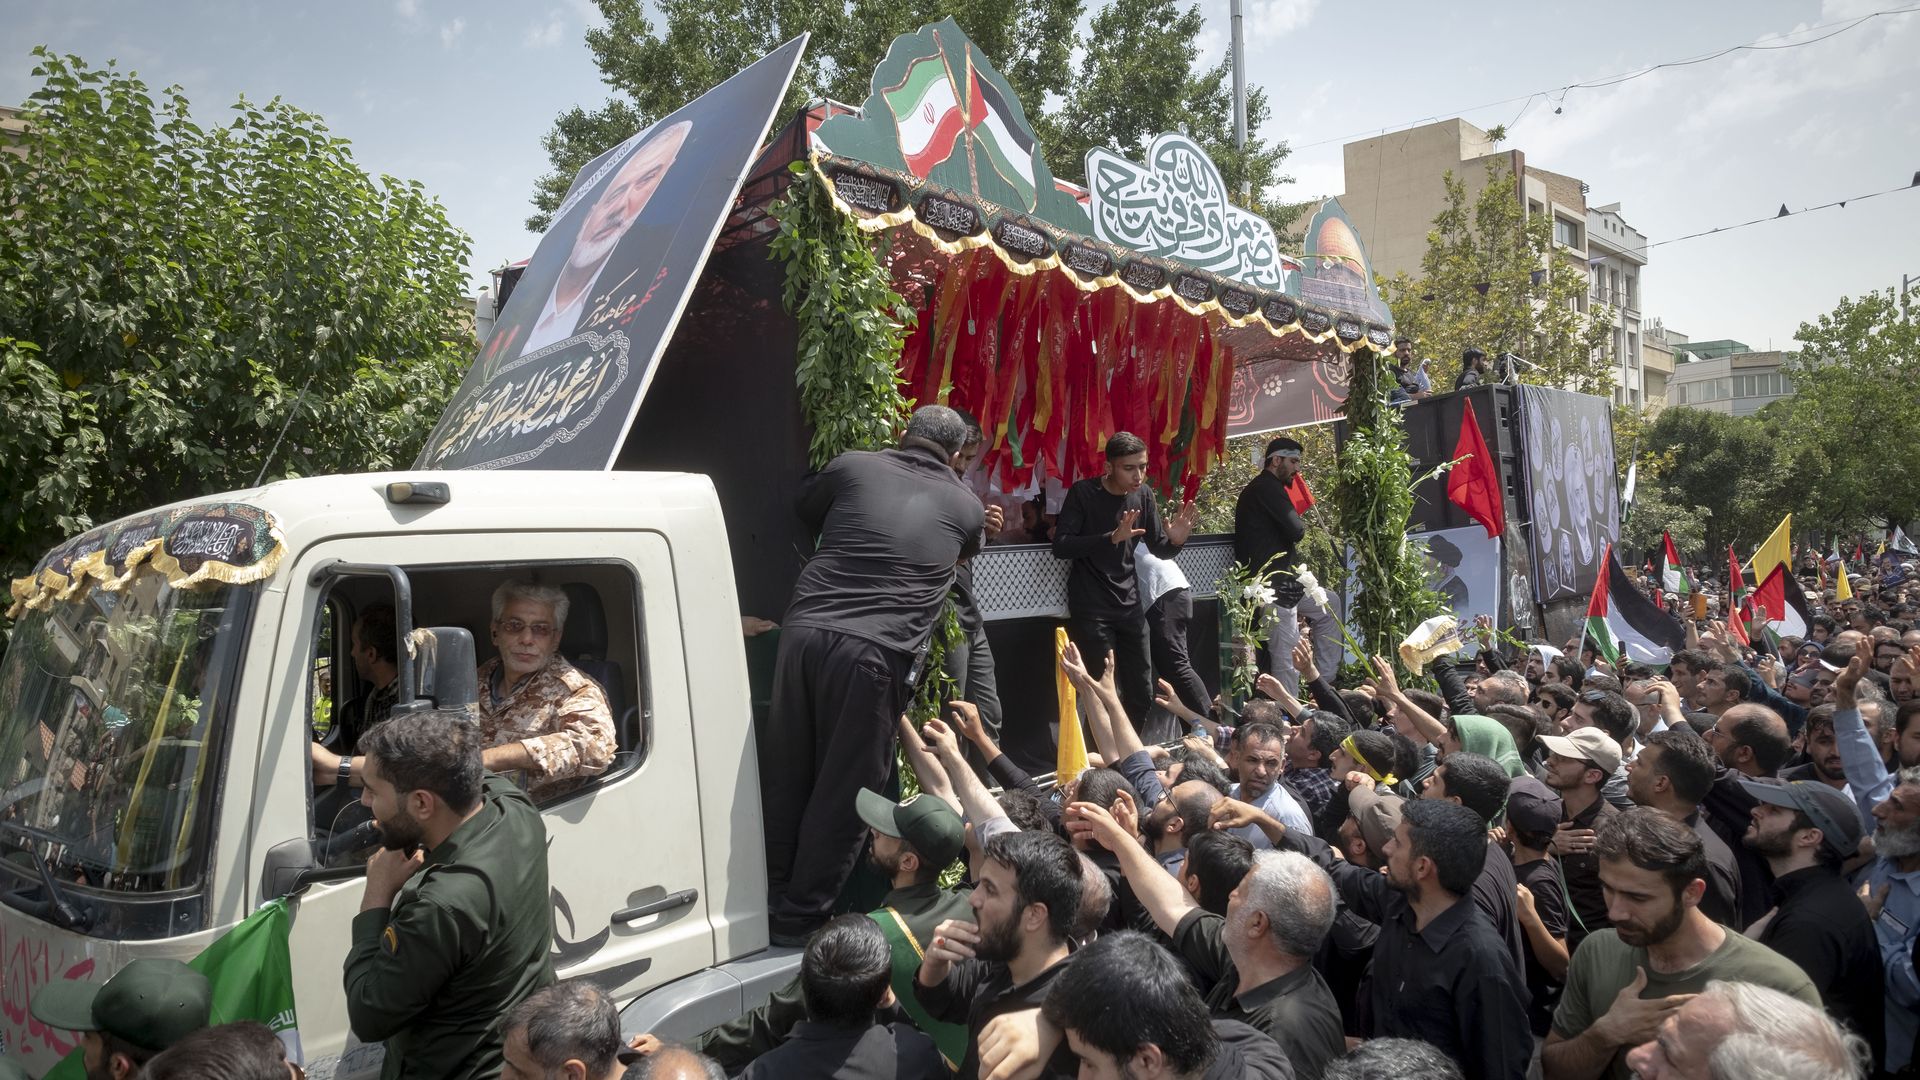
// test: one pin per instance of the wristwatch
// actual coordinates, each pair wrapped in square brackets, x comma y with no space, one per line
[346,769]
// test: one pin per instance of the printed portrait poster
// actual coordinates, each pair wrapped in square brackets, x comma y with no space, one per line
[561,377]
[1463,566]
[1568,442]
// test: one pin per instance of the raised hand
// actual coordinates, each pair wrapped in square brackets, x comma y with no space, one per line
[1076,669]
[1384,679]
[964,716]
[1183,523]
[996,519]
[1303,660]
[940,739]
[1125,532]
[1097,823]
[1845,683]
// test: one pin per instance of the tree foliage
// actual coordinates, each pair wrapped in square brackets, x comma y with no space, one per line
[1849,425]
[1724,468]
[1492,278]
[175,294]
[1142,74]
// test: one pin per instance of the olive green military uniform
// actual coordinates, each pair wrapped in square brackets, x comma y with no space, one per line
[465,941]
[919,908]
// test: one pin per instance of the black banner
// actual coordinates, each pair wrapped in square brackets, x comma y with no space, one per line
[559,381]
[1568,444]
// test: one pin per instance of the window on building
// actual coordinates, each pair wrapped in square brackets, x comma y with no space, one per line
[1534,207]
[1633,350]
[1566,232]
[1631,282]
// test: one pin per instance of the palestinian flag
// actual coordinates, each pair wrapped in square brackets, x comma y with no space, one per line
[1624,624]
[926,113]
[1781,604]
[1673,573]
[1002,139]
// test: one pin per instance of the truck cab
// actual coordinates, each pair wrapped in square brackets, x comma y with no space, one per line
[166,678]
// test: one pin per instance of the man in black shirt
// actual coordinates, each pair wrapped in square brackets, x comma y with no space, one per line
[1127,1009]
[1807,830]
[892,524]
[1673,773]
[1267,530]
[1440,972]
[844,977]
[1577,765]
[1024,903]
[1098,524]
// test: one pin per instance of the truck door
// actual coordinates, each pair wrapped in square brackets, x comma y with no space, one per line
[624,852]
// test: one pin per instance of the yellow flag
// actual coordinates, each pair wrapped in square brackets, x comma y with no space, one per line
[1842,590]
[1777,551]
[1071,759]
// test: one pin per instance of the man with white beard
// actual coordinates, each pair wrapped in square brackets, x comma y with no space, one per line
[613,213]
[1891,890]
[1259,956]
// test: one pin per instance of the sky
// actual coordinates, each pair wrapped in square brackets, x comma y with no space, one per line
[458,95]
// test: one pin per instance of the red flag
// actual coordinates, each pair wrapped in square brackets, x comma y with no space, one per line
[1474,484]
[1301,495]
[1770,599]
[1737,624]
[1859,552]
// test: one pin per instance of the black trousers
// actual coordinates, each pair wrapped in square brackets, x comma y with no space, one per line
[829,733]
[1126,638]
[1167,622]
[971,668]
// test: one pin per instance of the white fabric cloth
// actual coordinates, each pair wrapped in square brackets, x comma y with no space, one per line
[1156,577]
[1284,633]
[1280,806]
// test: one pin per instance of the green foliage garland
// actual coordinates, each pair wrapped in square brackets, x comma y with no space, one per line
[852,324]
[1374,494]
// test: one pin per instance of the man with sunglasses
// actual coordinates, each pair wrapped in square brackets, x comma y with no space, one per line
[540,716]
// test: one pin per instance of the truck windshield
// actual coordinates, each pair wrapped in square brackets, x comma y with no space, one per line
[112,713]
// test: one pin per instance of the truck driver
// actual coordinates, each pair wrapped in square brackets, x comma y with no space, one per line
[539,715]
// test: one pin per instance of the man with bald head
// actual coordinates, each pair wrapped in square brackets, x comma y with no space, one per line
[1749,741]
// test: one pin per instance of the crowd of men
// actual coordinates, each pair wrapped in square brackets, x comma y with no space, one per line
[1550,867]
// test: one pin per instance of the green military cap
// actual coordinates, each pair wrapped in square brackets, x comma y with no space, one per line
[149,1003]
[925,821]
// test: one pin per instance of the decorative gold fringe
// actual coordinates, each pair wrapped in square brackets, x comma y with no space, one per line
[907,215]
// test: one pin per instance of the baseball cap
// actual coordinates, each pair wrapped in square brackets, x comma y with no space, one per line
[149,1003]
[1586,744]
[923,820]
[1533,807]
[1378,814]
[1835,815]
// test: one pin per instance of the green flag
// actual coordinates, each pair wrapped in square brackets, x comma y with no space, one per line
[252,976]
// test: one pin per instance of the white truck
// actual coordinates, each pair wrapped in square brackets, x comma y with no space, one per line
[157,701]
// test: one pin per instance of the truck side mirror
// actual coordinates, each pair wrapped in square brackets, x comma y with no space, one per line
[445,666]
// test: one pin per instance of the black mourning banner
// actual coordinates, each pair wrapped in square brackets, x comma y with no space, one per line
[1567,440]
[560,379]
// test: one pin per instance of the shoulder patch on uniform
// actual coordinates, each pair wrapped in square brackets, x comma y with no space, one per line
[391,941]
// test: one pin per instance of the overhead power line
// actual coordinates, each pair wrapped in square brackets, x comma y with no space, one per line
[1760,45]
[1784,213]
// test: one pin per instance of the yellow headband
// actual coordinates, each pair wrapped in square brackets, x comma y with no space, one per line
[1353,751]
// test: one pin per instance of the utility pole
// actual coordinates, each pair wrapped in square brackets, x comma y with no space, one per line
[1240,98]
[1907,283]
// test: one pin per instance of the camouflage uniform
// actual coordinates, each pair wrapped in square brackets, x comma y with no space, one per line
[559,714]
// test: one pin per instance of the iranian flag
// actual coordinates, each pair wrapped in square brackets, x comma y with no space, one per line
[1673,576]
[1624,625]
[926,112]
